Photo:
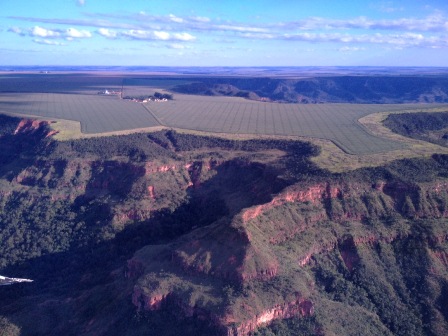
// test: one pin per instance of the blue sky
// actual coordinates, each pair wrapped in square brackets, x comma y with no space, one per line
[224,33]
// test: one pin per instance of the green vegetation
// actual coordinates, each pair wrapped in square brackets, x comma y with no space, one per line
[8,125]
[65,196]
[432,127]
[371,255]
[294,326]
[59,204]
[133,147]
[156,95]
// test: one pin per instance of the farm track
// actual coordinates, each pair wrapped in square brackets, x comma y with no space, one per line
[101,114]
[153,115]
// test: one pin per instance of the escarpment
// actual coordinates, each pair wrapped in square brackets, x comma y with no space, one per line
[265,244]
[92,189]
[149,233]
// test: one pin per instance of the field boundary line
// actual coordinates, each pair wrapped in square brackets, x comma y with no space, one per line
[154,116]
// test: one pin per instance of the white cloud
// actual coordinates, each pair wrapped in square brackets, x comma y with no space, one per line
[174,18]
[402,40]
[74,33]
[42,32]
[176,46]
[143,21]
[240,28]
[161,35]
[265,36]
[16,30]
[435,22]
[107,33]
[387,7]
[137,34]
[157,35]
[81,2]
[200,19]
[350,49]
[425,31]
[183,37]
[48,42]
[69,34]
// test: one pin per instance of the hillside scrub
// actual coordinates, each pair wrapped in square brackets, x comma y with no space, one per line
[174,232]
[430,127]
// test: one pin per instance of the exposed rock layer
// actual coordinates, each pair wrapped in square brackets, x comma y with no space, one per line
[250,250]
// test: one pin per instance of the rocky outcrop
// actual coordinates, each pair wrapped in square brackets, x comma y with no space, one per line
[359,201]
[240,263]
[197,170]
[89,179]
[308,194]
[254,248]
[299,307]
[33,127]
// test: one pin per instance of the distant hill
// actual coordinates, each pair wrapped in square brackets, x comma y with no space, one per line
[335,89]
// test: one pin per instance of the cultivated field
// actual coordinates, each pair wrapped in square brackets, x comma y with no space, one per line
[335,122]
[59,83]
[97,114]
[74,97]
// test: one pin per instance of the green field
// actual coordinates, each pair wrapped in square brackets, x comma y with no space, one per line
[100,114]
[97,114]
[335,122]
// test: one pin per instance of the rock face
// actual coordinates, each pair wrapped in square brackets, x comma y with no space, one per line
[268,243]
[31,127]
[297,308]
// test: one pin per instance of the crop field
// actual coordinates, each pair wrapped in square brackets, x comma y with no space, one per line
[335,122]
[59,83]
[97,114]
[101,114]
[84,83]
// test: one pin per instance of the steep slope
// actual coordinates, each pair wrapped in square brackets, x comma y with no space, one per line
[56,196]
[73,212]
[312,248]
[167,233]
